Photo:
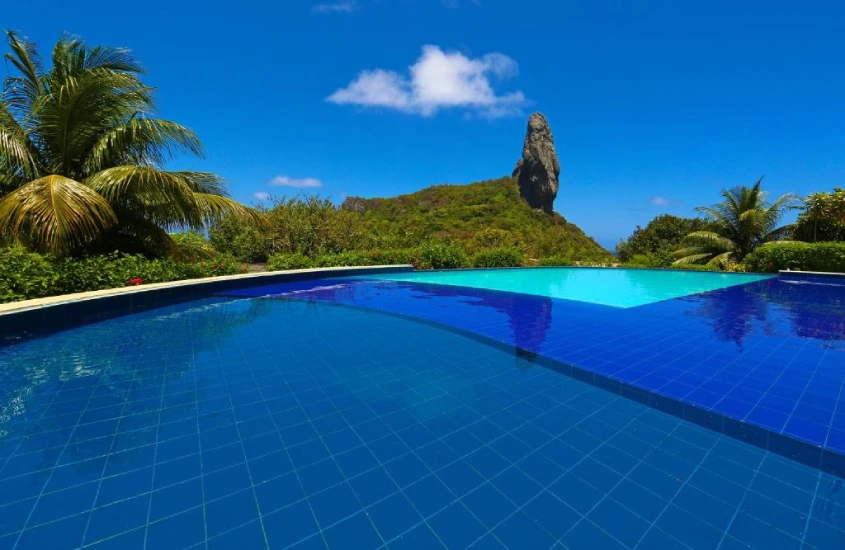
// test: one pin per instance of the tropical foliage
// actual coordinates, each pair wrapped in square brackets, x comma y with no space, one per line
[81,156]
[25,275]
[655,244]
[822,256]
[497,257]
[744,220]
[475,217]
[303,224]
[822,217]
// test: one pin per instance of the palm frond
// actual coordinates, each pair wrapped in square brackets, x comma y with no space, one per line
[142,141]
[205,182]
[22,91]
[689,256]
[147,182]
[56,213]
[15,155]
[712,240]
[721,260]
[215,207]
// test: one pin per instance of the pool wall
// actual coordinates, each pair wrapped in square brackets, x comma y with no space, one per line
[47,315]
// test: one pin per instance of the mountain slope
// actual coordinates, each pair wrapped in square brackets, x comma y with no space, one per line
[460,212]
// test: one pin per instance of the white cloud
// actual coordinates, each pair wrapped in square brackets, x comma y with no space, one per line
[344,6]
[438,80]
[286,181]
[261,195]
[661,201]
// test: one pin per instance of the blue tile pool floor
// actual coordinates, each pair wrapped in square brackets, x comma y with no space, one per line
[284,423]
[768,355]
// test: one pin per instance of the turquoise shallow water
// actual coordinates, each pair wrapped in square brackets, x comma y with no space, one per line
[610,287]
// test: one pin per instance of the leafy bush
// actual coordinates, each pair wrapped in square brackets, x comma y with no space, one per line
[249,243]
[396,256]
[697,267]
[25,275]
[303,224]
[659,239]
[442,255]
[341,259]
[497,257]
[645,260]
[822,217]
[772,257]
[379,257]
[191,246]
[280,262]
[556,261]
[491,237]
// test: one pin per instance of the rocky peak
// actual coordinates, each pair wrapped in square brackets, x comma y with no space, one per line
[538,170]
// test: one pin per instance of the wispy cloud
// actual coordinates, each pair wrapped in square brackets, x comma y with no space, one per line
[261,195]
[663,201]
[344,6]
[438,80]
[287,181]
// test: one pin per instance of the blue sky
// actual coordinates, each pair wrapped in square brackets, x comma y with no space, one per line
[655,105]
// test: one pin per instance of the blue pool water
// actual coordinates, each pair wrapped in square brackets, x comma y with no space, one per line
[386,414]
[610,287]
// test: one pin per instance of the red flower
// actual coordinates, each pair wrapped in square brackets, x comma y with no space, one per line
[771,264]
[135,281]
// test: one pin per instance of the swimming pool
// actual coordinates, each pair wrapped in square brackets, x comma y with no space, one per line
[611,287]
[366,413]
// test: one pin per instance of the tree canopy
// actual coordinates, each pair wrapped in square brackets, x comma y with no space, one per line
[82,157]
[744,220]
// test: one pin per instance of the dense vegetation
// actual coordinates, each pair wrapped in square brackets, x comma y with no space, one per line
[25,275]
[822,256]
[461,212]
[744,220]
[655,244]
[81,158]
[742,233]
[86,203]
[446,225]
[822,218]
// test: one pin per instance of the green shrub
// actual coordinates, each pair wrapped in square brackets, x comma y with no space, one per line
[25,275]
[280,262]
[772,257]
[645,260]
[497,257]
[340,259]
[191,246]
[441,255]
[697,267]
[396,256]
[490,238]
[556,261]
[658,240]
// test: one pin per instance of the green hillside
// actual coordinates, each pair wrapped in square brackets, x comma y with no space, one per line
[472,213]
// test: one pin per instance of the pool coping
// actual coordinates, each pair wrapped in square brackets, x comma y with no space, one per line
[42,316]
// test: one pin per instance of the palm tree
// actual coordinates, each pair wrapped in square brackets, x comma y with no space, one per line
[81,158]
[741,223]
